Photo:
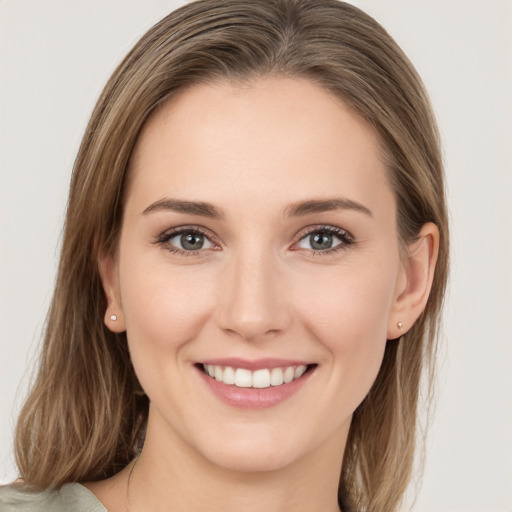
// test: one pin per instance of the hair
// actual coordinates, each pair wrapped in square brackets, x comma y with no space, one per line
[86,414]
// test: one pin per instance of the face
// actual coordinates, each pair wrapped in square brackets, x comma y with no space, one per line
[259,246]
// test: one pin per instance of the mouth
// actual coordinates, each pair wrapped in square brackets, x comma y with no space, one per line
[260,378]
[254,385]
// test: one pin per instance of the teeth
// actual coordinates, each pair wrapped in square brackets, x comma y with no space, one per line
[260,379]
[299,371]
[243,378]
[276,377]
[288,375]
[228,375]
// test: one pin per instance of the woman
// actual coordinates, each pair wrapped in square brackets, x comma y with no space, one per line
[252,273]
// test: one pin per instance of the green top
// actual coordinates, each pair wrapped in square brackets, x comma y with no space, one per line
[69,498]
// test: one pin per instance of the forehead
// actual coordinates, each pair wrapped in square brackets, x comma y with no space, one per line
[256,139]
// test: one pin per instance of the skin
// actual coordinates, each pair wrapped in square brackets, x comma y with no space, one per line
[256,289]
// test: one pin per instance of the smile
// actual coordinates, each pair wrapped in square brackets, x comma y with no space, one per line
[260,379]
[254,384]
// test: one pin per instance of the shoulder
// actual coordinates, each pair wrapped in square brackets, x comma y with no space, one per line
[69,498]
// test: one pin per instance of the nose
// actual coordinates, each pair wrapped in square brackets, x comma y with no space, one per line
[252,303]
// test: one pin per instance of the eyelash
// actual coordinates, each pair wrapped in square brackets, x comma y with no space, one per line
[165,237]
[344,236]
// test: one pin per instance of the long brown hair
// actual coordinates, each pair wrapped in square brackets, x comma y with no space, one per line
[85,416]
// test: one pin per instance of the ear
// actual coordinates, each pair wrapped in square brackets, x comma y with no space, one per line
[415,281]
[114,316]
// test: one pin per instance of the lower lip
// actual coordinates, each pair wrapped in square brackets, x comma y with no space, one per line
[253,398]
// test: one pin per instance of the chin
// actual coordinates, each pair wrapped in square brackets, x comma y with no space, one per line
[257,450]
[257,460]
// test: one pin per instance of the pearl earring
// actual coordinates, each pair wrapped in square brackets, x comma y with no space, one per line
[113,318]
[399,325]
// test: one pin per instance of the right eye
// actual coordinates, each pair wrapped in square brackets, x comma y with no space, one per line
[186,242]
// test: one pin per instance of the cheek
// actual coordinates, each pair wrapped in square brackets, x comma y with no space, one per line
[347,312]
[352,302]
[164,307]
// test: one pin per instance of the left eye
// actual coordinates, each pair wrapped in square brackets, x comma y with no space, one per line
[321,240]
[190,241]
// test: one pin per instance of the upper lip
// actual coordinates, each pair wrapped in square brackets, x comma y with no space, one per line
[255,364]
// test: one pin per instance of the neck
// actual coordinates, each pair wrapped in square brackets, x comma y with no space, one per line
[170,475]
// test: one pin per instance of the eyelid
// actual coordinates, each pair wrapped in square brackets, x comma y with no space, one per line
[322,227]
[170,233]
[187,228]
[345,236]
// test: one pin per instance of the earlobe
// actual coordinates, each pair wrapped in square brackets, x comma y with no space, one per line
[114,317]
[418,272]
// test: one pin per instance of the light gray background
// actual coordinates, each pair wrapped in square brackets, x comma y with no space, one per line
[55,56]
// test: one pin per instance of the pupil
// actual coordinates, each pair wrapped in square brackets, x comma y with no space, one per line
[321,241]
[192,241]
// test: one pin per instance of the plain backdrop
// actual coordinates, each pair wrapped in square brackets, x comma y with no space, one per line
[55,57]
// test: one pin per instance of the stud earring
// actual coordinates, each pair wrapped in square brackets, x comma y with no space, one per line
[399,325]
[113,318]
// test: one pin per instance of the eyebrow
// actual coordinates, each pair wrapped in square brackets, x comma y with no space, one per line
[191,207]
[325,205]
[298,209]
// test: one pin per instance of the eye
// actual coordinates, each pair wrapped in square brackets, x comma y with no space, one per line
[191,241]
[325,239]
[185,241]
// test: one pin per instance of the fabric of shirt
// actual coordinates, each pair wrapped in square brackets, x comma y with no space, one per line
[69,498]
